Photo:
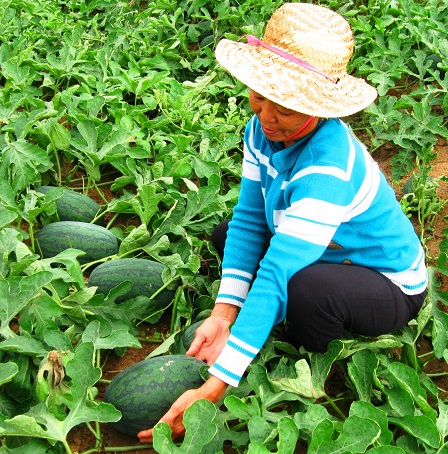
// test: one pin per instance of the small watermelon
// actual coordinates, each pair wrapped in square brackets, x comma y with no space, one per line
[189,333]
[144,275]
[436,64]
[145,391]
[96,241]
[72,205]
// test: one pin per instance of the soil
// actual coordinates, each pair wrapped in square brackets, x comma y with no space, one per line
[81,439]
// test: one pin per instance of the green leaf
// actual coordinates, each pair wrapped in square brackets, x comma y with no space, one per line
[307,421]
[407,379]
[421,427]
[116,338]
[24,426]
[361,370]
[137,239]
[287,434]
[7,372]
[322,363]
[44,422]
[25,345]
[58,135]
[399,402]
[366,410]
[357,434]
[147,202]
[243,408]
[261,432]
[23,163]
[118,141]
[271,393]
[387,450]
[7,217]
[442,420]
[224,422]
[303,383]
[196,435]
[16,293]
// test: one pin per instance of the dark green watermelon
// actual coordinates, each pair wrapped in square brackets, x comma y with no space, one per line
[96,241]
[436,64]
[145,391]
[189,333]
[72,205]
[144,275]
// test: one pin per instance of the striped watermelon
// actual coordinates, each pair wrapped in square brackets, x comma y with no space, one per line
[96,241]
[146,390]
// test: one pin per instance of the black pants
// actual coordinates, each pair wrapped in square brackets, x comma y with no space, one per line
[324,300]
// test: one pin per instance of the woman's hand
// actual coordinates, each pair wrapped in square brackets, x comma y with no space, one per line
[213,389]
[212,335]
[208,343]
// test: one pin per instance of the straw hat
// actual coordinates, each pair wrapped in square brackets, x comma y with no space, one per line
[301,62]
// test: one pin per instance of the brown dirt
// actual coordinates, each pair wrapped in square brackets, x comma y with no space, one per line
[81,439]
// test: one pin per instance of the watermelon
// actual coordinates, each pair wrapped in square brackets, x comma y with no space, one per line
[72,205]
[145,391]
[189,333]
[96,241]
[436,64]
[145,276]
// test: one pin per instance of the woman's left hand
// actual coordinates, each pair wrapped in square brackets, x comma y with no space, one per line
[213,389]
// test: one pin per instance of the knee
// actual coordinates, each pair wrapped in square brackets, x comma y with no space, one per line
[219,236]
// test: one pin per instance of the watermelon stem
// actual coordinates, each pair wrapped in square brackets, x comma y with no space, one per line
[153,314]
[105,381]
[58,162]
[335,407]
[96,433]
[111,222]
[66,446]
[164,286]
[174,311]
[95,262]
[150,341]
[126,448]
[103,175]
[117,448]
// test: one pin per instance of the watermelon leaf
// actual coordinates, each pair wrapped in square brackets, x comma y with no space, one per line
[357,434]
[288,435]
[113,339]
[225,433]
[44,419]
[16,293]
[7,372]
[26,161]
[196,435]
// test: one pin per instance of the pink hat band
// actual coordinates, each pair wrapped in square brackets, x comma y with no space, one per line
[258,42]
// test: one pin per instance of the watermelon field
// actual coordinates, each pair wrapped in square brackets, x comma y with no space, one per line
[121,145]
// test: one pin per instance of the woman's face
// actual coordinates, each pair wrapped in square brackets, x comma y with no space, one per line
[277,122]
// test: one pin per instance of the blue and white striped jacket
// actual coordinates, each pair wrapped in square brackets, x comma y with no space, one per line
[323,199]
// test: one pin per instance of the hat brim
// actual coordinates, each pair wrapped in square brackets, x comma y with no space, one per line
[292,86]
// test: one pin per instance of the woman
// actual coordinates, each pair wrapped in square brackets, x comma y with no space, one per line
[342,255]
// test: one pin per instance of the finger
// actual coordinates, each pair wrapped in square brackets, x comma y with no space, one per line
[195,345]
[177,432]
[145,436]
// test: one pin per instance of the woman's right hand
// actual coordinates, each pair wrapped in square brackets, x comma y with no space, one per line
[212,335]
